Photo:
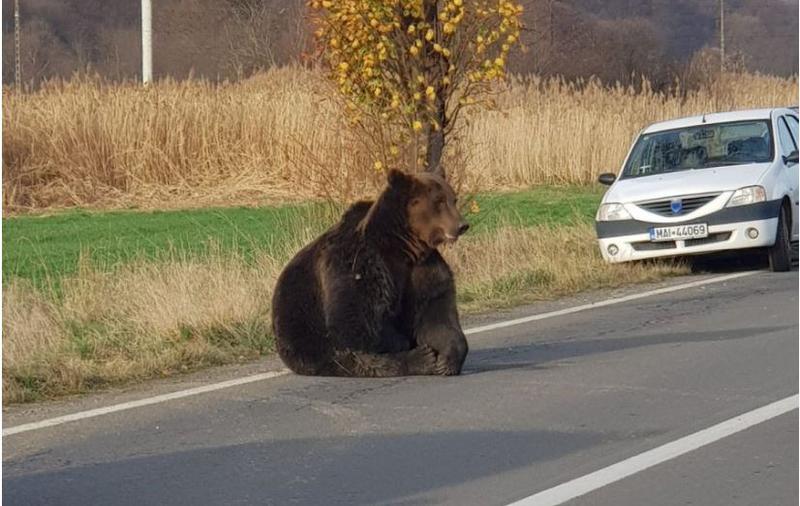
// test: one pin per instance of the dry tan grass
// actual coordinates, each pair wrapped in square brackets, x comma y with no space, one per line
[277,137]
[142,320]
[148,320]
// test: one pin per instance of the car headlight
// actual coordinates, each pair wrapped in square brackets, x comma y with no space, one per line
[612,212]
[747,195]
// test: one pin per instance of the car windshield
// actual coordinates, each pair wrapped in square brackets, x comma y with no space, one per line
[700,147]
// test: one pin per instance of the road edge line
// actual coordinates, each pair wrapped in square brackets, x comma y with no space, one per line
[80,415]
[606,302]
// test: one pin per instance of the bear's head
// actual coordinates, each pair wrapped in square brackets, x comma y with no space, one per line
[432,216]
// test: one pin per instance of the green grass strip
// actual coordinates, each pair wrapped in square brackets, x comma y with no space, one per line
[44,249]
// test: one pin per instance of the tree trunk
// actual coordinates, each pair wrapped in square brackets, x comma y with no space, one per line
[436,140]
[436,66]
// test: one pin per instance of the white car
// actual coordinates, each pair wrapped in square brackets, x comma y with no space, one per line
[702,184]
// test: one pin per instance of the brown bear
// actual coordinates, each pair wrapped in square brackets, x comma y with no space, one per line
[372,296]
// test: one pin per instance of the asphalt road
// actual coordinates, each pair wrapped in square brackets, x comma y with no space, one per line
[539,404]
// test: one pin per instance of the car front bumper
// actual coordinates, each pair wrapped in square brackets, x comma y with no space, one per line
[727,230]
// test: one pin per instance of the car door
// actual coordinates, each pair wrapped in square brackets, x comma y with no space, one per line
[790,124]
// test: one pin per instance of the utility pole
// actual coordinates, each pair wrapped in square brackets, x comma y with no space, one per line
[147,41]
[17,57]
[722,35]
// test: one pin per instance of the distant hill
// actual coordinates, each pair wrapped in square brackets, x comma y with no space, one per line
[226,39]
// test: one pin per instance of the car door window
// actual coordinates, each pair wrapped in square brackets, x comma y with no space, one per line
[792,122]
[785,137]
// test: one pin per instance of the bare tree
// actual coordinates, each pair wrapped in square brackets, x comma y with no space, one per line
[251,30]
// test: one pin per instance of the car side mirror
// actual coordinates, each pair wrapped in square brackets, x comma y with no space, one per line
[608,178]
[791,157]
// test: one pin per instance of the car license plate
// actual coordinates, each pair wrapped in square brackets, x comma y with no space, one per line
[679,232]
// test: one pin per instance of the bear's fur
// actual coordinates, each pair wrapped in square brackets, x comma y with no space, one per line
[372,296]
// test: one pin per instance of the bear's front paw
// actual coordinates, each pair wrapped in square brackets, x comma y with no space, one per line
[422,360]
[446,367]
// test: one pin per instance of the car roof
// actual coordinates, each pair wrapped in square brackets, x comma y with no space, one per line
[715,117]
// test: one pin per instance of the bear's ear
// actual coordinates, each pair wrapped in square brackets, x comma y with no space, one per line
[399,179]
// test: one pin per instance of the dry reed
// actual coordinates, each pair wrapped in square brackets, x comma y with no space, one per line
[278,137]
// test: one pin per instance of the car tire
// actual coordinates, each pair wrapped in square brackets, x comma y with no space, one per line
[780,253]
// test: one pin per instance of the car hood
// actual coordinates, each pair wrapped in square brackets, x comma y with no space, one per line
[687,182]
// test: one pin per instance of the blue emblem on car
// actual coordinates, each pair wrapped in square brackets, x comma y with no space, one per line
[676,205]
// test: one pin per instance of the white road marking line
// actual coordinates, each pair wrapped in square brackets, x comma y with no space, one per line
[141,402]
[607,302]
[259,377]
[615,472]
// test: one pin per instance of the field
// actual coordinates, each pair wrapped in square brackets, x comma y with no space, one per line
[277,137]
[103,284]
[44,249]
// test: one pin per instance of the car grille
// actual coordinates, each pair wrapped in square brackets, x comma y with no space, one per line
[652,246]
[690,204]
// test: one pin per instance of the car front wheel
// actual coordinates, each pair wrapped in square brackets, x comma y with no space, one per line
[780,259]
